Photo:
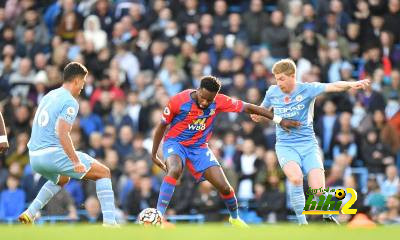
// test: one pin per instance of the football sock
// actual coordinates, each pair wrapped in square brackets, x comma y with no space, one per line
[48,191]
[324,215]
[231,203]
[106,198]
[298,201]
[166,191]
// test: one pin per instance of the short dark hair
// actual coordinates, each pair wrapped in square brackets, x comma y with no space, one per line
[210,83]
[73,70]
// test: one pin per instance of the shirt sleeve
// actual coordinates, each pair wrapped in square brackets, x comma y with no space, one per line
[267,101]
[169,111]
[69,111]
[316,88]
[228,104]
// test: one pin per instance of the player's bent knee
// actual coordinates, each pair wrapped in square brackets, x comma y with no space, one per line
[175,172]
[106,172]
[226,190]
[296,180]
[63,181]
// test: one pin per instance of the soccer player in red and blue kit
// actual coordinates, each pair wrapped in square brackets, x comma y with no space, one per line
[191,115]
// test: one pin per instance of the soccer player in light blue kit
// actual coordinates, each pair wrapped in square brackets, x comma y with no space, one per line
[298,150]
[52,153]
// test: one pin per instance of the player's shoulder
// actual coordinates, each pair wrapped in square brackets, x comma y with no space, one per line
[64,97]
[181,97]
[273,90]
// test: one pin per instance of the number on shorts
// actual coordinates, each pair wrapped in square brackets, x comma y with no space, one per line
[211,156]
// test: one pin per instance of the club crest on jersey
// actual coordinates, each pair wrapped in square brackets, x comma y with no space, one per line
[71,111]
[286,99]
[167,111]
[198,125]
[299,98]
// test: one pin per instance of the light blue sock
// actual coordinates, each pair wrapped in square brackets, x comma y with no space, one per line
[298,200]
[106,198]
[48,191]
[324,215]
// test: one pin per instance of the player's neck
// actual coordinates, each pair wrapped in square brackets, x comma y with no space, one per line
[69,88]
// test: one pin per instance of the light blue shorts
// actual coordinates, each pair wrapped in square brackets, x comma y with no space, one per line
[52,163]
[308,156]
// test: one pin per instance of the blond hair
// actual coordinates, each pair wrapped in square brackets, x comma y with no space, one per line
[286,66]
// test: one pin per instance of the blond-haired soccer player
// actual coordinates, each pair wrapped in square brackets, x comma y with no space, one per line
[298,151]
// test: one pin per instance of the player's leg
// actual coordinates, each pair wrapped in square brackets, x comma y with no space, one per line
[47,192]
[174,155]
[206,163]
[217,178]
[102,176]
[314,169]
[167,188]
[42,164]
[290,162]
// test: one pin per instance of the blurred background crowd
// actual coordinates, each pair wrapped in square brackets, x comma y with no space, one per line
[141,52]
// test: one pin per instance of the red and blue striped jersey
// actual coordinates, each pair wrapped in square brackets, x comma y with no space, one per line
[192,126]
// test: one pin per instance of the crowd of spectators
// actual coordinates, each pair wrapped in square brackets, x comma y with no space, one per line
[141,52]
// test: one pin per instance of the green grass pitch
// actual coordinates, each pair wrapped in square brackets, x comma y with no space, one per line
[194,232]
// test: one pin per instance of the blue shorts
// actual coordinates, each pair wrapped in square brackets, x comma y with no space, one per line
[308,156]
[52,163]
[197,160]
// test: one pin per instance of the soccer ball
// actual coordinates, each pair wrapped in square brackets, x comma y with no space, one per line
[150,216]
[340,194]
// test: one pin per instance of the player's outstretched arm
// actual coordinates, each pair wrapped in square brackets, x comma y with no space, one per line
[3,135]
[284,123]
[158,135]
[64,129]
[344,86]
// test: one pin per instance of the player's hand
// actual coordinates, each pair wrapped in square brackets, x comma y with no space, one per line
[4,146]
[256,118]
[79,167]
[362,84]
[159,163]
[287,124]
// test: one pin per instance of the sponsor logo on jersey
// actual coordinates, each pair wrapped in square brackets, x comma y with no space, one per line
[198,125]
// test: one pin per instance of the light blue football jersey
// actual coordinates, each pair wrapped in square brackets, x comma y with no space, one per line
[57,104]
[298,106]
